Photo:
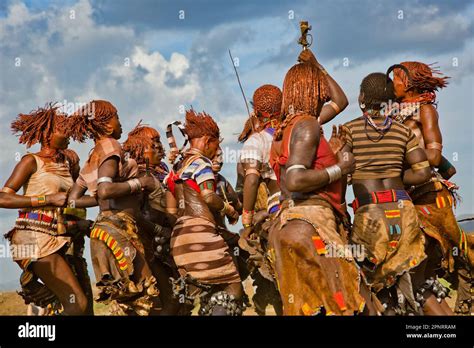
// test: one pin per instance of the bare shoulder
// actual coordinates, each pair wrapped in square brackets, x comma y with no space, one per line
[305,129]
[27,164]
[428,113]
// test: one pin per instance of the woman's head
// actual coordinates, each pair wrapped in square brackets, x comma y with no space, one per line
[95,120]
[203,132]
[47,126]
[421,79]
[217,161]
[305,89]
[267,101]
[376,90]
[143,143]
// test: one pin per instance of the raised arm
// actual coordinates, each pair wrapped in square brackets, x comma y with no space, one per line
[338,98]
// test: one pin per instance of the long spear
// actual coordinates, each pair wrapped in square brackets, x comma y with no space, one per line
[241,89]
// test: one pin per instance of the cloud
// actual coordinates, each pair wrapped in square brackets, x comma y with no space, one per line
[366,31]
[146,61]
[198,15]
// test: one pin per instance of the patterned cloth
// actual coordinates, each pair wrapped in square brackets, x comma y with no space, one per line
[199,169]
[162,171]
[103,150]
[196,246]
[378,157]
[317,272]
[438,221]
[199,250]
[115,249]
[392,238]
[257,147]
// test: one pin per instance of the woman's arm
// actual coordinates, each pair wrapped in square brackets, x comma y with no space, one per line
[420,171]
[338,98]
[109,190]
[431,134]
[303,146]
[78,199]
[20,176]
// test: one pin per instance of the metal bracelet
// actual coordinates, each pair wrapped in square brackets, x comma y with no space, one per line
[334,173]
[135,185]
[295,166]
[104,179]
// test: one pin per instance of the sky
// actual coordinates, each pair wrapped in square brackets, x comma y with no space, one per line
[153,59]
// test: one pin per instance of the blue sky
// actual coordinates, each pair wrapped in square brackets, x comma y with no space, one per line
[76,51]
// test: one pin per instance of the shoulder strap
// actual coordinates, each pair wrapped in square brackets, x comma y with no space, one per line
[39,161]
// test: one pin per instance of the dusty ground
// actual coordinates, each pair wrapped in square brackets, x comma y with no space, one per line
[12,304]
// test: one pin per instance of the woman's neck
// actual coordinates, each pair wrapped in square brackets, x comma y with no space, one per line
[102,137]
[50,153]
[47,151]
[411,95]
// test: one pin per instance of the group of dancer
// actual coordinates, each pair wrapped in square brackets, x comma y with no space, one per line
[160,243]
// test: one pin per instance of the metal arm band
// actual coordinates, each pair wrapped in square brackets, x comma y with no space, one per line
[336,107]
[252,171]
[434,146]
[420,165]
[8,190]
[413,149]
[104,179]
[295,166]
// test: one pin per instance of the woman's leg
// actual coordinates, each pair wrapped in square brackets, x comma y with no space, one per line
[56,274]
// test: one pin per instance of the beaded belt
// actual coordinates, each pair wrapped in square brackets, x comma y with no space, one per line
[386,196]
[36,216]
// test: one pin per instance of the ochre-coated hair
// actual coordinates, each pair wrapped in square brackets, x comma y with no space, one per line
[305,89]
[91,120]
[422,77]
[40,124]
[377,89]
[248,129]
[71,157]
[267,101]
[138,140]
[200,124]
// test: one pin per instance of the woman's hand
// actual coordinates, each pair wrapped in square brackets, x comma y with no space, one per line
[232,215]
[57,199]
[306,56]
[337,142]
[346,162]
[147,183]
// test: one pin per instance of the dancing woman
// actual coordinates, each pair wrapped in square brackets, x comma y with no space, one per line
[201,254]
[122,273]
[385,219]
[415,86]
[40,236]
[309,234]
[144,145]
